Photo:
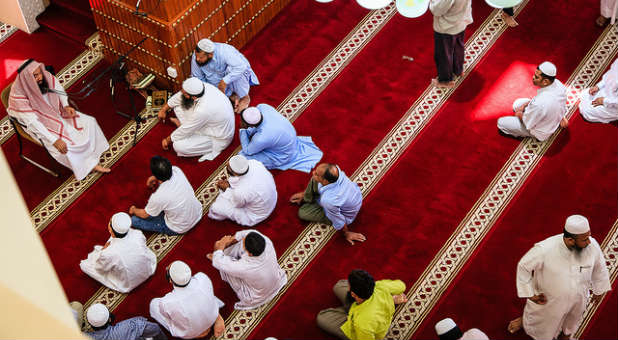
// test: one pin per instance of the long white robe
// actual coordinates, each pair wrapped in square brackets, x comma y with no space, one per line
[86,145]
[255,279]
[543,114]
[564,276]
[250,198]
[187,312]
[608,90]
[608,8]
[205,129]
[124,264]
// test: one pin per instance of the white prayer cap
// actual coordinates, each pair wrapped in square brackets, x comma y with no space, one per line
[548,68]
[239,164]
[97,315]
[576,225]
[180,273]
[193,86]
[444,326]
[121,222]
[206,45]
[251,115]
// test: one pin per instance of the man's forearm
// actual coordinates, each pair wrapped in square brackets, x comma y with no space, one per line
[141,213]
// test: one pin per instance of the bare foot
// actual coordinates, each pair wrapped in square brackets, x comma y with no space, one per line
[399,299]
[602,21]
[219,327]
[446,84]
[99,168]
[509,20]
[515,325]
[297,198]
[209,256]
[175,121]
[242,104]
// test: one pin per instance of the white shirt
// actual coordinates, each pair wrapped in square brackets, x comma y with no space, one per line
[543,114]
[175,197]
[564,276]
[124,264]
[211,115]
[255,279]
[451,16]
[187,312]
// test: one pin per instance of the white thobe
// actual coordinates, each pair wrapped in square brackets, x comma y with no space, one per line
[205,129]
[608,8]
[124,264]
[187,312]
[250,198]
[86,145]
[608,90]
[543,114]
[564,276]
[255,279]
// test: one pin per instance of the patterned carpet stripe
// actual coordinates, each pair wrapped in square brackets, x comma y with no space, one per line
[6,30]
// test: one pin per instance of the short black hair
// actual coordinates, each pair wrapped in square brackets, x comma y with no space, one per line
[161,168]
[361,283]
[255,243]
[118,235]
[329,173]
[566,234]
[544,76]
[111,319]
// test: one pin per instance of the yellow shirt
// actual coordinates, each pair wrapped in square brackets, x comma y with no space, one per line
[372,318]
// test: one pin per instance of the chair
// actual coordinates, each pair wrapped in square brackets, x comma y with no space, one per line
[22,134]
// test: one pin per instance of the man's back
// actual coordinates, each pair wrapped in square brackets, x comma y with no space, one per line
[343,196]
[543,114]
[276,134]
[255,191]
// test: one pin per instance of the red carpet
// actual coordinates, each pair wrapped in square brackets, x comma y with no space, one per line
[603,325]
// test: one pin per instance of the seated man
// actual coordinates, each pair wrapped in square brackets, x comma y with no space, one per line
[205,121]
[125,261]
[331,198]
[447,329]
[248,262]
[367,310]
[101,320]
[600,103]
[172,208]
[191,308]
[248,196]
[224,67]
[271,139]
[540,116]
[74,139]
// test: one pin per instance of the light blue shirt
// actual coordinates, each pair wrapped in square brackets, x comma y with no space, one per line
[228,64]
[130,329]
[274,143]
[341,200]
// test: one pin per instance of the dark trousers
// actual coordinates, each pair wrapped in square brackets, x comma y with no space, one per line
[449,55]
[508,11]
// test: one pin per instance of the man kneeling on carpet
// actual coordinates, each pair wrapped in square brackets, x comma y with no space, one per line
[330,198]
[124,262]
[172,208]
[248,262]
[101,320]
[191,309]
[367,307]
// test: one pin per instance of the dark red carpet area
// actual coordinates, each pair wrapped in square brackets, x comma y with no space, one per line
[603,324]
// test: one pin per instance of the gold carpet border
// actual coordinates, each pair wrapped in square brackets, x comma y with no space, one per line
[445,266]
[610,249]
[6,30]
[292,106]
[67,76]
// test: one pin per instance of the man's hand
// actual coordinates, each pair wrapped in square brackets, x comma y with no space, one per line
[297,198]
[163,113]
[166,142]
[519,114]
[597,298]
[564,123]
[132,210]
[151,182]
[222,85]
[593,90]
[399,299]
[352,236]
[539,299]
[70,112]
[223,184]
[598,101]
[61,146]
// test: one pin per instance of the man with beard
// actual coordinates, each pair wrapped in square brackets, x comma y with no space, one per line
[555,277]
[205,121]
[74,139]
[223,66]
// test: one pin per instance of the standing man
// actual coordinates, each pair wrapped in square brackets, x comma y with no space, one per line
[270,138]
[330,198]
[74,139]
[608,11]
[172,208]
[137,328]
[205,121]
[224,67]
[600,103]
[450,18]
[540,116]
[191,309]
[247,196]
[125,261]
[248,262]
[555,277]
[368,307]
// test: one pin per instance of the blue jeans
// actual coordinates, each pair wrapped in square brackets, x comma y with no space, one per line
[153,223]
